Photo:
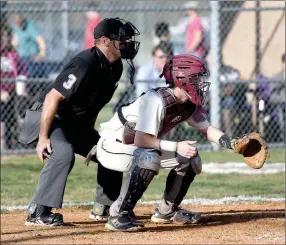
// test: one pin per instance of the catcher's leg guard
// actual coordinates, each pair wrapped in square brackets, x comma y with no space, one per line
[177,185]
[146,164]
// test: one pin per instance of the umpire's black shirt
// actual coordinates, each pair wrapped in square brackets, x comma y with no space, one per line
[87,82]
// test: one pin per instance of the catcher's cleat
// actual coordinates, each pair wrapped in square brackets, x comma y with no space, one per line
[42,215]
[122,222]
[99,212]
[181,216]
[103,216]
[97,217]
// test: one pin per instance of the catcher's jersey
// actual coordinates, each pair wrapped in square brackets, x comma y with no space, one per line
[147,112]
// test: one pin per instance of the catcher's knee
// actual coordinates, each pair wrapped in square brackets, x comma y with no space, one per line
[147,159]
[196,164]
[145,165]
[185,163]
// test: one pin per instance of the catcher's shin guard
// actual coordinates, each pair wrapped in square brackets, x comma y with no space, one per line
[145,167]
[177,185]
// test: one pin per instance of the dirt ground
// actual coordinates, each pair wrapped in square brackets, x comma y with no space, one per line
[251,223]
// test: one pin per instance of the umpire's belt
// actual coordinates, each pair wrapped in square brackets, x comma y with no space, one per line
[37,106]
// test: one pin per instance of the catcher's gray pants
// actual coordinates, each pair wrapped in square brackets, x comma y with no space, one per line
[65,143]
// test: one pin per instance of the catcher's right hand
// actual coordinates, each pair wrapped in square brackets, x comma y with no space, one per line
[253,147]
[89,156]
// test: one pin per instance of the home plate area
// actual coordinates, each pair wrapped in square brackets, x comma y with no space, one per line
[249,222]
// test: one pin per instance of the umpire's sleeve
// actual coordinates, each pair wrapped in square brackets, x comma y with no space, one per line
[70,79]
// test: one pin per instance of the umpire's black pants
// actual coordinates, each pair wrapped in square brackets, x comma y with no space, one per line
[65,143]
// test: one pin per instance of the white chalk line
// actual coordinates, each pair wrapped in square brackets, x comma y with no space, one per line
[194,201]
[210,168]
[241,168]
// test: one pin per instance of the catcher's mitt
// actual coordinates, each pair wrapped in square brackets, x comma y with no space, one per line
[253,147]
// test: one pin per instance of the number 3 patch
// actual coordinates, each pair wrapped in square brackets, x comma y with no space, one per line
[68,84]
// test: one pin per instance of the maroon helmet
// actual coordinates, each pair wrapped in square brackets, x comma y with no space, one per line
[189,73]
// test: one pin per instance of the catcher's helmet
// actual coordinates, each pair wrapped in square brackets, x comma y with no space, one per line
[188,73]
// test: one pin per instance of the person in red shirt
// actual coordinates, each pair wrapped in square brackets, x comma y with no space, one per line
[194,32]
[93,18]
[13,94]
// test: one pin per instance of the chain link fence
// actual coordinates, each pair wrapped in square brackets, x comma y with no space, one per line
[242,42]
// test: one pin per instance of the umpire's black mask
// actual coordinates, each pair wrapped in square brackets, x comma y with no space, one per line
[128,45]
[123,31]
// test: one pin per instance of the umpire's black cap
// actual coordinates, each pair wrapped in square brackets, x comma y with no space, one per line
[108,28]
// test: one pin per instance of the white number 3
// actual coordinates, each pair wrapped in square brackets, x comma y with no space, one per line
[68,84]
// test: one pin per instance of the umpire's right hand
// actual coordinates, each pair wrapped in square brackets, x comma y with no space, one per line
[44,148]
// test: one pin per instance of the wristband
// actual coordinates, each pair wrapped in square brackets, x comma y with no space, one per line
[225,141]
[166,145]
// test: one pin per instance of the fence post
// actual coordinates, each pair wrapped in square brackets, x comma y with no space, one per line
[214,69]
[65,26]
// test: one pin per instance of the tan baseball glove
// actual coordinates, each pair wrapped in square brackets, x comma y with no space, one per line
[253,147]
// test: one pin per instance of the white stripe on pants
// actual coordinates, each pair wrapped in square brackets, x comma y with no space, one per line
[118,156]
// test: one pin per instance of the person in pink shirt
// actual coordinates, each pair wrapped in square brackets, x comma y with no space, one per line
[13,93]
[93,18]
[194,32]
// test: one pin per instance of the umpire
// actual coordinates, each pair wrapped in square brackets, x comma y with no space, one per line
[63,118]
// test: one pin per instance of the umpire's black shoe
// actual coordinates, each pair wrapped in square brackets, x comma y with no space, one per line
[122,222]
[42,215]
[179,215]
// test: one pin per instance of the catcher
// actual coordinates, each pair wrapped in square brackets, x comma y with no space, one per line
[131,142]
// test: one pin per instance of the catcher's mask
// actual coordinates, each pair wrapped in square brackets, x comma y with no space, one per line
[123,31]
[188,73]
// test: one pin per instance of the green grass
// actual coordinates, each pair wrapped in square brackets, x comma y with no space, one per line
[230,156]
[19,176]
[221,185]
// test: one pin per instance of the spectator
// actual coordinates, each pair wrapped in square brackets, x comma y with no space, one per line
[13,95]
[280,76]
[163,33]
[233,101]
[93,18]
[277,95]
[148,75]
[228,75]
[30,45]
[194,32]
